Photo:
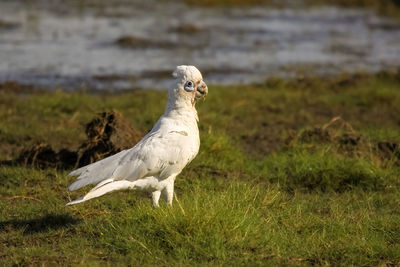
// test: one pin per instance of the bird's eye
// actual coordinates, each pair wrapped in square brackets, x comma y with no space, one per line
[189,86]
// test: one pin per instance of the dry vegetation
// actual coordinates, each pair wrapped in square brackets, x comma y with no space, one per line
[385,7]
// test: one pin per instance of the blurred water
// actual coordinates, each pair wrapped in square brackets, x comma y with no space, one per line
[65,45]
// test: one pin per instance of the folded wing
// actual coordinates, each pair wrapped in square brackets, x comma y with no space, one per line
[155,155]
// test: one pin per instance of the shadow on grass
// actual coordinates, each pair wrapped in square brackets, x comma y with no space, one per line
[38,225]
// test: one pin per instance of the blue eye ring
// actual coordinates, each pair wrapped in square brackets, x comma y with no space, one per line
[189,86]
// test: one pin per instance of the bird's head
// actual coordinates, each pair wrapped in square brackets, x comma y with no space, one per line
[189,86]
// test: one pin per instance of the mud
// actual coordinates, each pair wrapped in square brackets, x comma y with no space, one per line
[140,43]
[108,133]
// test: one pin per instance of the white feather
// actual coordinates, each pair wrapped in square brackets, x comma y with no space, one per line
[101,190]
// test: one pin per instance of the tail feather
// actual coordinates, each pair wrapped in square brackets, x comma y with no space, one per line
[104,187]
[79,171]
[97,171]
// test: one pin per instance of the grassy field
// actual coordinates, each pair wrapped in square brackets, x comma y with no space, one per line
[274,181]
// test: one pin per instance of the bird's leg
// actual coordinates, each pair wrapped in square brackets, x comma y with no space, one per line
[168,193]
[155,196]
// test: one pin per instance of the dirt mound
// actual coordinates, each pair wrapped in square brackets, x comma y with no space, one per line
[336,131]
[108,133]
[342,135]
[336,128]
[315,135]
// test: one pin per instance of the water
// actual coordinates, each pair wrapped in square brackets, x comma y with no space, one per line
[66,45]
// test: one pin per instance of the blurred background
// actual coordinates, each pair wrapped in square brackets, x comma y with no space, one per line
[121,44]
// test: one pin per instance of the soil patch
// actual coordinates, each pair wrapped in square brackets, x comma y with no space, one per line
[108,133]
[42,155]
[341,134]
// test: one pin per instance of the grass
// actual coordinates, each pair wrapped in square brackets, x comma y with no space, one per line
[384,7]
[249,198]
[390,8]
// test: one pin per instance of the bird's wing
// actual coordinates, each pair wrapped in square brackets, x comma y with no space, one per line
[97,171]
[157,154]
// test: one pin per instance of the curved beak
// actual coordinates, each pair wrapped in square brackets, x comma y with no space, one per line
[202,90]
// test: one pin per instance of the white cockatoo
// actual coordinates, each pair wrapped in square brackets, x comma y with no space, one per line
[155,161]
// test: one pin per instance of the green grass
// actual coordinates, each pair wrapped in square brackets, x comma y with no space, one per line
[323,171]
[249,198]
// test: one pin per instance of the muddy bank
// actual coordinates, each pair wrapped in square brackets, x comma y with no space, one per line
[133,42]
[66,45]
